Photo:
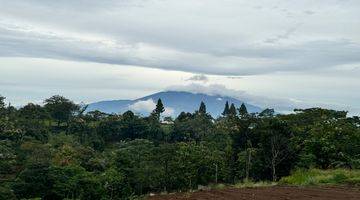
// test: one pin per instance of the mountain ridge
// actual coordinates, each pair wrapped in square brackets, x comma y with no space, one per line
[174,102]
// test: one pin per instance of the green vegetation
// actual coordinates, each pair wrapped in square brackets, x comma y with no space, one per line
[323,177]
[251,184]
[59,151]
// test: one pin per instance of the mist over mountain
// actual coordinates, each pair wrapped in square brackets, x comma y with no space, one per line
[174,102]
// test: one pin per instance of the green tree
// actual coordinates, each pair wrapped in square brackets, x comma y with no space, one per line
[64,182]
[275,145]
[202,108]
[32,122]
[33,152]
[136,160]
[166,158]
[158,110]
[7,158]
[232,110]
[115,184]
[330,145]
[197,164]
[60,108]
[2,115]
[226,109]
[267,113]
[32,182]
[2,102]
[243,111]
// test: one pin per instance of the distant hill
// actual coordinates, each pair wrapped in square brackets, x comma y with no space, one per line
[174,101]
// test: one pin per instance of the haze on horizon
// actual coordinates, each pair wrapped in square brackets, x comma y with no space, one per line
[273,53]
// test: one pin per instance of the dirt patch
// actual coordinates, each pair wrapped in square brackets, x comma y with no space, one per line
[269,193]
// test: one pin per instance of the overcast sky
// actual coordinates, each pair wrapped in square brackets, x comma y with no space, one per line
[273,53]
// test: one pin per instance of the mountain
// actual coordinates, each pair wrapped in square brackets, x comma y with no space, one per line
[113,106]
[174,102]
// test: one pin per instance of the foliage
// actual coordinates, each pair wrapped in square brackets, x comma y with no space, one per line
[60,151]
[60,108]
[232,110]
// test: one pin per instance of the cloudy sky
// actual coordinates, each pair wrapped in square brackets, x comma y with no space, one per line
[273,53]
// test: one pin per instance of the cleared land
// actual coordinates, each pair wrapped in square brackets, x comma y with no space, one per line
[270,193]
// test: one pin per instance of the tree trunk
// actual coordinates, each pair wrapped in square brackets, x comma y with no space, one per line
[248,163]
[216,173]
[273,170]
[274,154]
[167,176]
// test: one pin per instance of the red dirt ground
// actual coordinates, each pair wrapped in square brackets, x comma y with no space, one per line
[269,193]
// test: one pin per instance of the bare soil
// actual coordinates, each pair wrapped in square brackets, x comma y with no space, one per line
[269,193]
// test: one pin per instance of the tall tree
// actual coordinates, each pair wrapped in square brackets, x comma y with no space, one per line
[2,102]
[202,108]
[158,109]
[243,110]
[275,139]
[2,106]
[232,110]
[60,108]
[226,109]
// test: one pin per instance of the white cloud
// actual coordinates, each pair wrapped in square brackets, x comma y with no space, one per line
[148,106]
[198,78]
[168,111]
[143,106]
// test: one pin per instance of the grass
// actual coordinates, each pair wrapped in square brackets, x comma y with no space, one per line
[316,177]
[243,184]
[251,184]
[218,186]
[311,177]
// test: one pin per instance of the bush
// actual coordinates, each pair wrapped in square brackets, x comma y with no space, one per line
[323,177]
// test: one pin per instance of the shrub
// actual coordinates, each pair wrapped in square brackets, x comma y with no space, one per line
[322,177]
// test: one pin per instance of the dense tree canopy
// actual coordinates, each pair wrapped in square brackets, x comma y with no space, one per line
[56,151]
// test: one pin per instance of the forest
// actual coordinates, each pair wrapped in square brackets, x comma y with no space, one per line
[57,150]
